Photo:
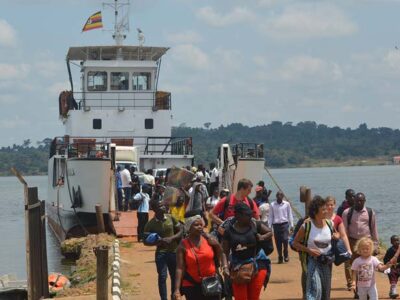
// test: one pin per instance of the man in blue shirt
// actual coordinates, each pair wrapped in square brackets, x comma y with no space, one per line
[118,183]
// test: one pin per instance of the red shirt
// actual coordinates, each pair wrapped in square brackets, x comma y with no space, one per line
[202,262]
[337,220]
[230,211]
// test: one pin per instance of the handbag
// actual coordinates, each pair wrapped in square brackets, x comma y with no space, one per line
[211,285]
[340,252]
[242,274]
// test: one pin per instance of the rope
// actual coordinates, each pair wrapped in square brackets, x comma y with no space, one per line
[297,213]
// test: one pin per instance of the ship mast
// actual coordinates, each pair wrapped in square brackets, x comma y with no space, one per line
[121,25]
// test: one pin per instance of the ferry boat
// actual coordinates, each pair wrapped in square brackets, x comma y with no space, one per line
[117,106]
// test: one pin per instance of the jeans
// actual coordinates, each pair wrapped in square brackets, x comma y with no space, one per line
[319,276]
[143,218]
[165,261]
[119,193]
[127,193]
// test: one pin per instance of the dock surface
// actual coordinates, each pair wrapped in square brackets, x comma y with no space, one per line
[139,276]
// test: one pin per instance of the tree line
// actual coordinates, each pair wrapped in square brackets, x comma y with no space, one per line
[285,144]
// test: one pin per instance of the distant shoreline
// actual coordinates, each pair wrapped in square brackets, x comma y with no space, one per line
[376,161]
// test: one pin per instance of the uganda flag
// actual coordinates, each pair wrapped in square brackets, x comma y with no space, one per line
[93,22]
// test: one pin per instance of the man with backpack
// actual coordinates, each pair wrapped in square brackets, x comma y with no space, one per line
[225,207]
[359,222]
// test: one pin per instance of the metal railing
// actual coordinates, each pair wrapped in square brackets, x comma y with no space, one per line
[169,145]
[248,150]
[123,100]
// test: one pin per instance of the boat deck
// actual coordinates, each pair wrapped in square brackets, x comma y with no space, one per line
[124,223]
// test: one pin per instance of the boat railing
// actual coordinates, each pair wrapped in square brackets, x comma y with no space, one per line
[156,100]
[98,147]
[80,148]
[248,150]
[168,145]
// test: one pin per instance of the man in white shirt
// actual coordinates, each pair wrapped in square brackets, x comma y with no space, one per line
[126,185]
[280,218]
[214,178]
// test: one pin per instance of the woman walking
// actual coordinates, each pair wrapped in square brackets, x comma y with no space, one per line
[314,239]
[248,262]
[196,259]
[340,230]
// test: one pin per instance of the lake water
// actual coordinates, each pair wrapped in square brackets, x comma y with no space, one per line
[379,183]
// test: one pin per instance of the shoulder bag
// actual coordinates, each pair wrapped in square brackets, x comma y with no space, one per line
[211,285]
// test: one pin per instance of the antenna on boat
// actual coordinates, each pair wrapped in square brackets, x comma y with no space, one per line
[121,25]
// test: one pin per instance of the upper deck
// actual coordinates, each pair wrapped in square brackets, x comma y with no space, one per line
[131,53]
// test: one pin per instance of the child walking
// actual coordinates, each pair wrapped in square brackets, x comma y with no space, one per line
[364,268]
[394,272]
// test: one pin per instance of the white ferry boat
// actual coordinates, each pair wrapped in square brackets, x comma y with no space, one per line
[118,105]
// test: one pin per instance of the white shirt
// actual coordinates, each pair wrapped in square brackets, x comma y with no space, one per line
[320,238]
[125,178]
[280,213]
[264,212]
[149,179]
[214,175]
[145,198]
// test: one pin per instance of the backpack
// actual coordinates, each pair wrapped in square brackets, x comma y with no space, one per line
[228,201]
[350,214]
[307,230]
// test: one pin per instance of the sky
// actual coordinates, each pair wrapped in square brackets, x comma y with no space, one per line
[253,61]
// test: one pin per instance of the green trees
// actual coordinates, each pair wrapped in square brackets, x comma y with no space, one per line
[285,144]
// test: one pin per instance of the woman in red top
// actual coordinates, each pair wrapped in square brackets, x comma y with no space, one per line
[340,230]
[195,260]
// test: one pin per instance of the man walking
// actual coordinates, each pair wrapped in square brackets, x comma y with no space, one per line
[225,207]
[214,178]
[126,185]
[280,219]
[348,202]
[170,232]
[359,222]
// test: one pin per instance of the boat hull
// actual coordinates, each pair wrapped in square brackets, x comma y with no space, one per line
[66,224]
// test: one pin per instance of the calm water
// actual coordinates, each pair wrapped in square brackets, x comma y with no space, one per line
[380,184]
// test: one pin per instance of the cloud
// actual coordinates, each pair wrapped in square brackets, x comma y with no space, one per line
[309,21]
[190,56]
[348,108]
[8,98]
[8,36]
[392,59]
[49,69]
[304,67]
[229,58]
[13,123]
[11,72]
[238,15]
[56,88]
[185,37]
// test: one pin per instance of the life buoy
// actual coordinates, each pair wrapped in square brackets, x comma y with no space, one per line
[63,103]
[58,282]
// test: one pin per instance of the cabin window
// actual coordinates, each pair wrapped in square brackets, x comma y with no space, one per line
[96,123]
[141,81]
[148,123]
[119,81]
[97,81]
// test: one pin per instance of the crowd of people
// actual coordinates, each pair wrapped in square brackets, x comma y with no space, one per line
[216,244]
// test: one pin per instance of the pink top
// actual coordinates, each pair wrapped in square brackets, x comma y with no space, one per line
[359,226]
[365,269]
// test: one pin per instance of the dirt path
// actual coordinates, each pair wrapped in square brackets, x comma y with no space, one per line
[139,277]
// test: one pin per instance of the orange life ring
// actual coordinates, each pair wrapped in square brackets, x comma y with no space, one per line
[57,282]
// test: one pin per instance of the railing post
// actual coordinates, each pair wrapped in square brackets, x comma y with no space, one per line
[100,219]
[102,272]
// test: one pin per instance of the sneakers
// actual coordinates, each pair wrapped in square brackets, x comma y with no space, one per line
[280,260]
[286,259]
[393,293]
